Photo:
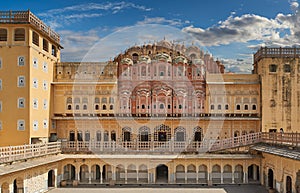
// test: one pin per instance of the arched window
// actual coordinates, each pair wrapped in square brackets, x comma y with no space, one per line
[3,35]
[79,136]
[84,100]
[143,106]
[105,136]
[180,106]
[197,134]
[144,133]
[96,107]
[103,107]
[253,107]
[126,132]
[143,71]
[69,107]
[77,100]
[72,136]
[135,58]
[98,136]
[238,107]
[84,107]
[97,100]
[19,34]
[219,107]
[111,100]
[161,106]
[69,100]
[113,136]
[226,107]
[180,134]
[246,107]
[104,100]
[212,107]
[87,136]
[77,107]
[111,107]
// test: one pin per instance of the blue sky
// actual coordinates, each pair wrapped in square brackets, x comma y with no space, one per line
[230,30]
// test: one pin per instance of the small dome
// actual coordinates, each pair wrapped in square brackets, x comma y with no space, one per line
[198,61]
[165,43]
[163,57]
[145,58]
[180,59]
[127,61]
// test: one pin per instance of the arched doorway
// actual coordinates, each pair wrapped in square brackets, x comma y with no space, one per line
[84,173]
[288,184]
[162,173]
[298,181]
[106,173]
[69,172]
[270,178]
[96,172]
[18,185]
[5,188]
[253,172]
[51,178]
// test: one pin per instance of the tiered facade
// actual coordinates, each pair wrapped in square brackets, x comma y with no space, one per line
[159,113]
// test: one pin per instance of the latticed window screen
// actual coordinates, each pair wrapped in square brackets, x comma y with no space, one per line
[163,130]
[144,134]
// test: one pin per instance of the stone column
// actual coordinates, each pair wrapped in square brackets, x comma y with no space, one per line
[148,175]
[113,173]
[197,176]
[56,178]
[232,177]
[126,176]
[222,175]
[90,174]
[77,173]
[11,188]
[245,177]
[101,175]
[185,174]
[137,175]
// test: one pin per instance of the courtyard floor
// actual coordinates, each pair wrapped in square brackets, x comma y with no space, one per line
[225,189]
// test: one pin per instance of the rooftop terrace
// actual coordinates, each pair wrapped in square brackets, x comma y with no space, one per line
[265,52]
[26,17]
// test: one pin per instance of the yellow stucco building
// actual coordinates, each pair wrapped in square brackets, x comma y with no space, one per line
[156,114]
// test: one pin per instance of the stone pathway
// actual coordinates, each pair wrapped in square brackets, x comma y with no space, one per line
[225,189]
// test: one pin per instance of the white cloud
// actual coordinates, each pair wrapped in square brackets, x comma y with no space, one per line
[238,65]
[294,5]
[163,21]
[238,29]
[77,44]
[59,17]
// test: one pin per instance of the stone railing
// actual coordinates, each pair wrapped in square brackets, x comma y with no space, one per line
[168,147]
[276,53]
[23,152]
[24,17]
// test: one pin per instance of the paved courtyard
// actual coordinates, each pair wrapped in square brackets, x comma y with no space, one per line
[229,189]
